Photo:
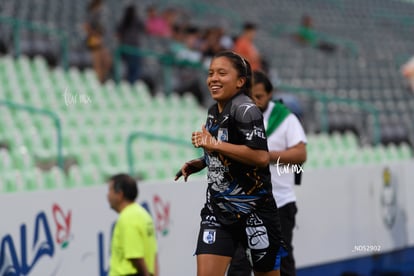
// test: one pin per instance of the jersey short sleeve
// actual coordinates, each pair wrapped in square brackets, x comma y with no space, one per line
[250,126]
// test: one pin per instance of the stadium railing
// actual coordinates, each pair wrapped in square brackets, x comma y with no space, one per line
[151,137]
[279,30]
[167,60]
[43,112]
[404,21]
[204,9]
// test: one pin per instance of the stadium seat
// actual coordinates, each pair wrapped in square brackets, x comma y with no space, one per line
[6,162]
[9,183]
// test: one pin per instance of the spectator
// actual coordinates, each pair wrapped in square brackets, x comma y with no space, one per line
[187,55]
[407,70]
[211,42]
[129,33]
[226,41]
[157,25]
[306,35]
[245,47]
[170,16]
[214,41]
[101,57]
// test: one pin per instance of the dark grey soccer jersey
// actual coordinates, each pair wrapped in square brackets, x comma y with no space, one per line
[235,189]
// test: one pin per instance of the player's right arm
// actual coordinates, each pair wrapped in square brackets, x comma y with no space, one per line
[191,167]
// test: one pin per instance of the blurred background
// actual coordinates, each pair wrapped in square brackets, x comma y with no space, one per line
[89,89]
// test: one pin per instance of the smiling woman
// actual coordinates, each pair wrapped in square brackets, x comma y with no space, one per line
[228,73]
[239,207]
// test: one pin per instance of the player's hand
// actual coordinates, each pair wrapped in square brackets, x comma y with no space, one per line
[203,139]
[189,168]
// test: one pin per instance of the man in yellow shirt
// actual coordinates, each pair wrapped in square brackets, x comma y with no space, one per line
[134,244]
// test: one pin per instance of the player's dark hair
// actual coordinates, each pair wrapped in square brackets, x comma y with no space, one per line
[243,68]
[125,184]
[260,77]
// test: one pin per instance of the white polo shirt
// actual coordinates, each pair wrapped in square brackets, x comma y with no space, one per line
[288,134]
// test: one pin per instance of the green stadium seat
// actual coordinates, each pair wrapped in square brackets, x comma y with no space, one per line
[405,152]
[88,155]
[22,159]
[6,161]
[367,155]
[142,92]
[39,65]
[16,142]
[341,159]
[379,154]
[336,141]
[391,153]
[49,181]
[74,177]
[8,183]
[19,182]
[189,101]
[312,161]
[90,176]
[33,178]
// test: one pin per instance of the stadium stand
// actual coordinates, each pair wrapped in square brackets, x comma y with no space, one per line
[365,67]
[97,119]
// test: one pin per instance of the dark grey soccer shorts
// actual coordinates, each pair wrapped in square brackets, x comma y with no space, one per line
[259,233]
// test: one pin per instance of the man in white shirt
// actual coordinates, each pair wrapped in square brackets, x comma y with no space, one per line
[286,141]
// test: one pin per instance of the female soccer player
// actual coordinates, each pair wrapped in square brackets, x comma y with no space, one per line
[239,207]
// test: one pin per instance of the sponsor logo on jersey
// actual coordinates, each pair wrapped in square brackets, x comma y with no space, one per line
[257,131]
[226,117]
[246,107]
[259,255]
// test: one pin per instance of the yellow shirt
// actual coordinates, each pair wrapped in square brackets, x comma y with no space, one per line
[133,237]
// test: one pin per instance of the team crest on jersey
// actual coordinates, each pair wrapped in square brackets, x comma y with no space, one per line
[223,134]
[209,236]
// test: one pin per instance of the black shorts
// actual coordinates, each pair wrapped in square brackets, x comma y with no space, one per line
[259,233]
